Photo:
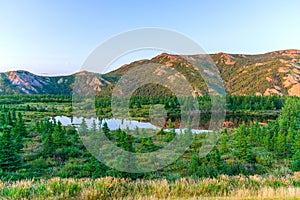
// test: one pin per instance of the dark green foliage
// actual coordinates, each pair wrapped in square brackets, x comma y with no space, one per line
[48,144]
[12,134]
[242,145]
[10,160]
[296,161]
[59,136]
[36,147]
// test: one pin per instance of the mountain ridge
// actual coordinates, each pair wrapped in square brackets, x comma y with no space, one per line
[272,73]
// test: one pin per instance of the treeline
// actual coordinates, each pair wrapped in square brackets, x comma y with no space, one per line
[255,103]
[233,103]
[138,103]
[21,99]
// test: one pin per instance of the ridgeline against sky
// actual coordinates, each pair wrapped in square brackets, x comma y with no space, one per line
[55,37]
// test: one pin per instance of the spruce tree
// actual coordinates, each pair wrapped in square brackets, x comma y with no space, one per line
[214,158]
[194,164]
[48,145]
[21,125]
[223,142]
[281,145]
[296,145]
[10,160]
[241,143]
[296,161]
[290,142]
[59,135]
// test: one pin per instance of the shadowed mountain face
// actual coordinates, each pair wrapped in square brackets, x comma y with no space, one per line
[274,73]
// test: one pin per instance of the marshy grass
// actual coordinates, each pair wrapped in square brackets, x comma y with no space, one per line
[222,187]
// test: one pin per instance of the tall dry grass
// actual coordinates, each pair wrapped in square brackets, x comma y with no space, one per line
[222,187]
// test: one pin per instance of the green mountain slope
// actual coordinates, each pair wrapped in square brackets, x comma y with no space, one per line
[274,73]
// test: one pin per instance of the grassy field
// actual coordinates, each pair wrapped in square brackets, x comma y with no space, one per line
[222,187]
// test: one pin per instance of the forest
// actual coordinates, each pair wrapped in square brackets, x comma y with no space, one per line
[34,146]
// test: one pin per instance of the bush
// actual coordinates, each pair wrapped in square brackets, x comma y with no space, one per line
[283,171]
[296,165]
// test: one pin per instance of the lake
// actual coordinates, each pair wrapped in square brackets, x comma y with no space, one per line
[114,124]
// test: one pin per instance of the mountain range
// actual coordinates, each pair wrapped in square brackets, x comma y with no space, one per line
[273,73]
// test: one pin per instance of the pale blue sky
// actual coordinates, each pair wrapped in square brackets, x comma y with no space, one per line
[56,36]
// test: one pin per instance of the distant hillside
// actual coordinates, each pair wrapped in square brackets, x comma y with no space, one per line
[23,82]
[274,73]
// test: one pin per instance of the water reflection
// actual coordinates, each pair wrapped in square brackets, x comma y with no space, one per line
[114,124]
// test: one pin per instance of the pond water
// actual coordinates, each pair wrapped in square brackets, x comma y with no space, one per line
[114,124]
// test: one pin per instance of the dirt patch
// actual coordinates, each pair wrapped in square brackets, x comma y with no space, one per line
[272,91]
[277,88]
[269,79]
[259,64]
[171,60]
[227,59]
[160,71]
[107,82]
[289,80]
[295,90]
[283,70]
[96,83]
[179,75]
[228,124]
[171,78]
[285,62]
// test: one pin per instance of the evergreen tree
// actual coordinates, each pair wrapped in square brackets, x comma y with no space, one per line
[281,145]
[296,145]
[73,136]
[9,119]
[296,161]
[19,132]
[94,127]
[214,158]
[105,128]
[83,128]
[13,115]
[106,131]
[147,144]
[21,126]
[242,146]
[59,135]
[290,142]
[223,142]
[2,119]
[48,144]
[194,164]
[10,160]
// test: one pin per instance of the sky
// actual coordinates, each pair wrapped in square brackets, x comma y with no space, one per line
[56,36]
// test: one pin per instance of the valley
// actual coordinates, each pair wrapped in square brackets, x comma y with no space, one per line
[44,127]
